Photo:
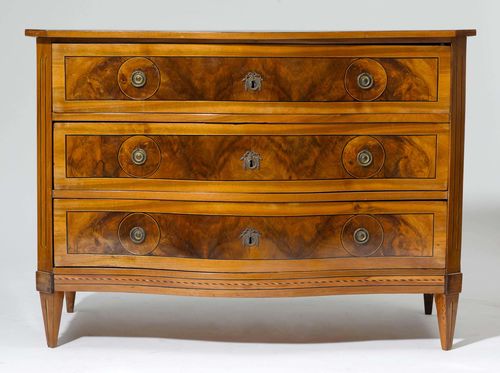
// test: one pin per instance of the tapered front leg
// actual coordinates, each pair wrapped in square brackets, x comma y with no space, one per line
[428,299]
[70,301]
[51,310]
[446,307]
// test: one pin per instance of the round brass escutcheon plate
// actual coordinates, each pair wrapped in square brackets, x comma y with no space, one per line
[139,233]
[365,79]
[139,156]
[139,78]
[363,156]
[362,235]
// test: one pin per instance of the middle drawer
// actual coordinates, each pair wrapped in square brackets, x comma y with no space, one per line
[217,157]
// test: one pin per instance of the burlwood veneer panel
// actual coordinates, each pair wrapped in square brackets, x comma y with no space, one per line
[219,237]
[219,157]
[218,92]
[94,225]
[298,158]
[220,79]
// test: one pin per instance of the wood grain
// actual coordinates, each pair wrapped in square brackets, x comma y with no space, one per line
[446,308]
[44,155]
[191,196]
[293,160]
[70,301]
[219,157]
[218,237]
[457,140]
[86,234]
[423,118]
[414,272]
[259,284]
[113,284]
[115,279]
[44,282]
[51,311]
[253,197]
[324,37]
[208,78]
[220,79]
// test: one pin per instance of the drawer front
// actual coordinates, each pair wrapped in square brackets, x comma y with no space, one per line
[156,156]
[251,236]
[236,79]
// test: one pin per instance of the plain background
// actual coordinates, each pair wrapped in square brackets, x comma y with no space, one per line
[111,332]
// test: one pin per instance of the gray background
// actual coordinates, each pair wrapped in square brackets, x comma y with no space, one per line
[343,333]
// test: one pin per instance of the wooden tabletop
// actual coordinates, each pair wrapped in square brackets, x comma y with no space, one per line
[263,37]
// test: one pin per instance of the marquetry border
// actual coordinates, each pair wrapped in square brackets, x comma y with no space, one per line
[249,287]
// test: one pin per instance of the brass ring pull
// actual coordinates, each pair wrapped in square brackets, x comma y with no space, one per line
[361,236]
[137,235]
[365,80]
[250,237]
[364,158]
[139,156]
[138,79]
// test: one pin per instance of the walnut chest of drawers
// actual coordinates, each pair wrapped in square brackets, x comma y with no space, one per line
[250,165]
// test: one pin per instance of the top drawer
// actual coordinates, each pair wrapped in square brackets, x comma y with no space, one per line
[198,78]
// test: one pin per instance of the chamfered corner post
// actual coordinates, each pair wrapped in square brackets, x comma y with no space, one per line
[447,302]
[51,300]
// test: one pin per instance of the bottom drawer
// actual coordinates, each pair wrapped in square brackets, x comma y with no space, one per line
[232,237]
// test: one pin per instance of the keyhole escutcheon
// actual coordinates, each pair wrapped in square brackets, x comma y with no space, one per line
[253,81]
[251,160]
[250,237]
